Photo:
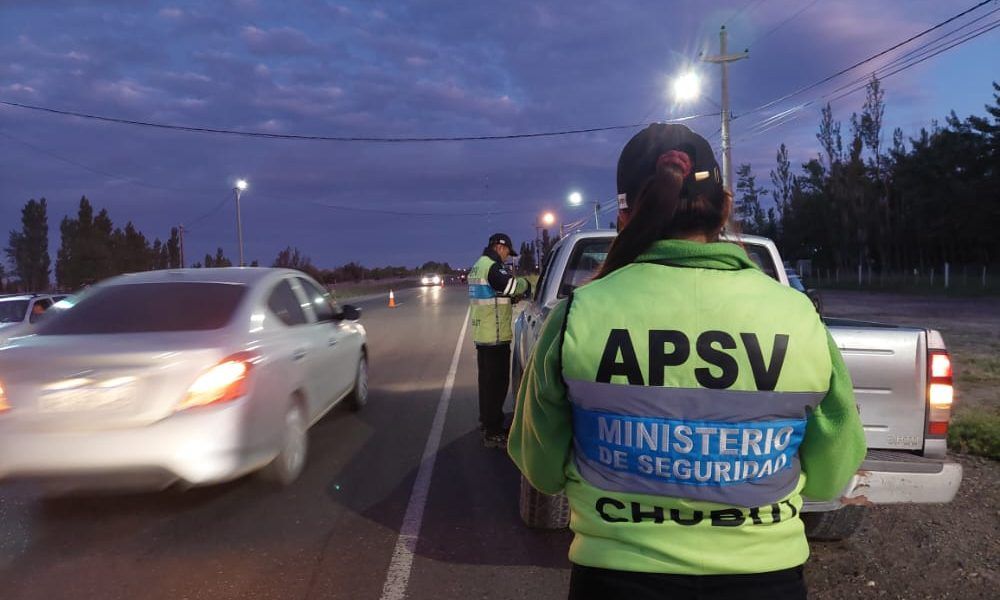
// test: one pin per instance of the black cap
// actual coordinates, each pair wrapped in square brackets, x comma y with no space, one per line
[639,157]
[503,239]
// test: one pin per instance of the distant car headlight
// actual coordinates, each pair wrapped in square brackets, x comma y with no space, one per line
[424,280]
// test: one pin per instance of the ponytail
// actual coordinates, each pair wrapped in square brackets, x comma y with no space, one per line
[664,210]
[654,211]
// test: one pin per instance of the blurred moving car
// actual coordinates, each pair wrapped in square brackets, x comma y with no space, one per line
[796,282]
[22,309]
[431,279]
[192,376]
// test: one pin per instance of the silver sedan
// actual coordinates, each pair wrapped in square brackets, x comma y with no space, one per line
[191,376]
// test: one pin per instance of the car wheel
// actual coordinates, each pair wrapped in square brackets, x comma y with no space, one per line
[834,525]
[359,396]
[291,459]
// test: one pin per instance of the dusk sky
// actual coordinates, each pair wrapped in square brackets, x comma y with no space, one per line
[418,69]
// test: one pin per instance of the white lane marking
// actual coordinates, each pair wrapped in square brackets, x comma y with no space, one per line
[398,576]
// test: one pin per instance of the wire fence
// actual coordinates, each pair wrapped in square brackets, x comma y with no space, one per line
[944,278]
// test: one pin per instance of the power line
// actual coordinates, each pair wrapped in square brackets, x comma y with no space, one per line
[325,138]
[745,8]
[93,170]
[909,59]
[862,62]
[214,209]
[783,22]
[967,38]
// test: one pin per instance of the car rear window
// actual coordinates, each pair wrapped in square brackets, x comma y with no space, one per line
[149,307]
[12,311]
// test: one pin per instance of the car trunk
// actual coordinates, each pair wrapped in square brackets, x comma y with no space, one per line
[94,382]
[888,370]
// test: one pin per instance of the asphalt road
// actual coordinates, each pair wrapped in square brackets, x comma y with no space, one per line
[335,533]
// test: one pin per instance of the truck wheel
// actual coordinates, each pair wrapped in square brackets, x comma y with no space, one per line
[517,373]
[834,525]
[541,511]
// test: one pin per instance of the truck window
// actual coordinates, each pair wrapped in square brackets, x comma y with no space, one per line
[762,257]
[537,292]
[587,257]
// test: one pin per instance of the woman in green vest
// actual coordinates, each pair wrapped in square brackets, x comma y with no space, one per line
[684,400]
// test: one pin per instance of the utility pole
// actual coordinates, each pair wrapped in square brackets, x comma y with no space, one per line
[181,235]
[597,215]
[723,60]
[241,185]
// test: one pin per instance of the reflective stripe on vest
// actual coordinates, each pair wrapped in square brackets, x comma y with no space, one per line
[693,398]
[730,447]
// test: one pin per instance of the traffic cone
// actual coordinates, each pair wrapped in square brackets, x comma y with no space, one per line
[392,300]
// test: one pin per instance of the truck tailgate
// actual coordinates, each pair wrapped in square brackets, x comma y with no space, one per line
[888,370]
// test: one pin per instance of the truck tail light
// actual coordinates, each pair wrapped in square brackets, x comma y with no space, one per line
[224,382]
[940,393]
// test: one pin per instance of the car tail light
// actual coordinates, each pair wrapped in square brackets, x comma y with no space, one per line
[224,382]
[4,405]
[940,393]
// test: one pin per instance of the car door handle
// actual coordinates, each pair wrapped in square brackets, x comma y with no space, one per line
[332,342]
[298,355]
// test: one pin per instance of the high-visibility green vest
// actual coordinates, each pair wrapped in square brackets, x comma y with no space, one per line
[690,390]
[491,312]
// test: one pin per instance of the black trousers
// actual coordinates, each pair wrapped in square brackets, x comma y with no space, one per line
[494,379]
[588,583]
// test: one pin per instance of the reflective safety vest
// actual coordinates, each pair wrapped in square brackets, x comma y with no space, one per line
[690,389]
[699,401]
[491,312]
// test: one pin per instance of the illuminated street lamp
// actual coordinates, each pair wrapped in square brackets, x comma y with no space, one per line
[576,199]
[687,87]
[545,220]
[241,185]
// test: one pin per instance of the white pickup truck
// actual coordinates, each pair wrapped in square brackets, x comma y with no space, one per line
[902,379]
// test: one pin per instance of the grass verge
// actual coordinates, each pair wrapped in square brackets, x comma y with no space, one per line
[976,431]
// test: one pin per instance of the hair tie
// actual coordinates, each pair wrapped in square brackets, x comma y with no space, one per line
[676,158]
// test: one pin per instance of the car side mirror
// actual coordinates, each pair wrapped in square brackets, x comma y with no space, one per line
[350,313]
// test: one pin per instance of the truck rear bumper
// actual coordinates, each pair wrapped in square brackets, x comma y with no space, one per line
[888,477]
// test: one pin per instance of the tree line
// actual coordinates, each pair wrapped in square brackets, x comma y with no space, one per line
[905,204]
[92,248]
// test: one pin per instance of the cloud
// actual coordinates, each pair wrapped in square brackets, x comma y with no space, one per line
[171,13]
[278,41]
[19,89]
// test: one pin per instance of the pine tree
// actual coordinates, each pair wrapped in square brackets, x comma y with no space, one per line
[28,249]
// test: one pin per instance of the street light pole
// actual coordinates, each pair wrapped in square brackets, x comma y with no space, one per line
[723,60]
[240,186]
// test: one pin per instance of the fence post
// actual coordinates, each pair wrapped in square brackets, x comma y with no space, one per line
[932,276]
[860,282]
[946,273]
[838,274]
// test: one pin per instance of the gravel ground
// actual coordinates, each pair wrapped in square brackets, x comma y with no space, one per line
[925,551]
